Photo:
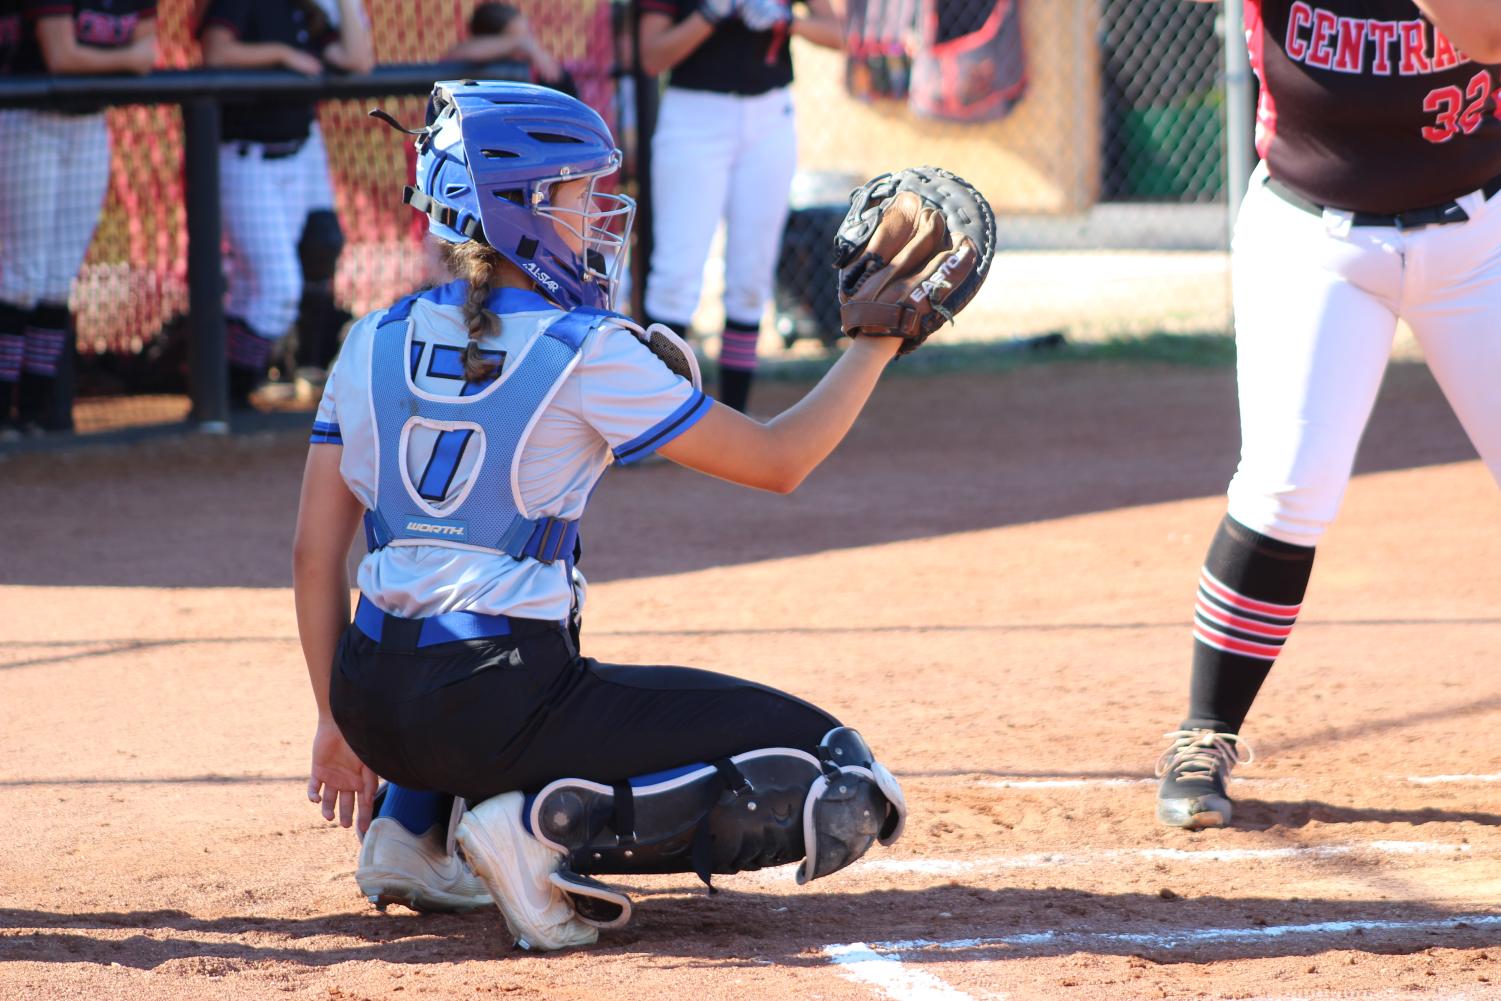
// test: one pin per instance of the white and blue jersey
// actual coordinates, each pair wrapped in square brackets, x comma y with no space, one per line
[608,399]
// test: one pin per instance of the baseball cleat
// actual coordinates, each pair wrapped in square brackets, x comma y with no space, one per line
[517,869]
[1194,770]
[399,867]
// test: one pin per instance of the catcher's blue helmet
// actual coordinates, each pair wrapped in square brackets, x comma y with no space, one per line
[486,166]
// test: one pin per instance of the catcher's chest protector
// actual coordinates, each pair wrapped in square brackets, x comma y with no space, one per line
[461,492]
[970,66]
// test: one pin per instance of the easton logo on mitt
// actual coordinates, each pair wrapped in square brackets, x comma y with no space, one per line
[913,250]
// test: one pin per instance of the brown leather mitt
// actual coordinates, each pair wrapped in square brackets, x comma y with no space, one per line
[912,251]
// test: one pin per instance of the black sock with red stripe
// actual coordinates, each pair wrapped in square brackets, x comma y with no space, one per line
[1250,592]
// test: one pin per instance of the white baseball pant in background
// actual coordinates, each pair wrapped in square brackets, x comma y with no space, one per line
[55,171]
[265,204]
[1316,307]
[719,156]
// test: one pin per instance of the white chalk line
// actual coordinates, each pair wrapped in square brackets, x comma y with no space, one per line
[983,865]
[1049,860]
[879,964]
[1170,939]
[1253,780]
[859,962]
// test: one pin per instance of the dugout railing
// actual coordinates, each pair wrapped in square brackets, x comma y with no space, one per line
[201,93]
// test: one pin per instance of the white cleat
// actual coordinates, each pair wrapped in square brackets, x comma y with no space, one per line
[517,870]
[399,867]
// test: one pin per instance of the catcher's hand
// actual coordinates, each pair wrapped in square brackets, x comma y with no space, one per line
[912,252]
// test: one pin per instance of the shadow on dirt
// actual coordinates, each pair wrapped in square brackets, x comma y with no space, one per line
[1257,813]
[931,456]
[940,924]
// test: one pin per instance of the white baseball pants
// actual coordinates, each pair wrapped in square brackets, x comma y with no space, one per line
[719,156]
[265,204]
[1316,307]
[56,172]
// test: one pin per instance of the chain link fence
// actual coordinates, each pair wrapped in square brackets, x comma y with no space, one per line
[1102,157]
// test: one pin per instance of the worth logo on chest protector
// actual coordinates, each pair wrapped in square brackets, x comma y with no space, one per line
[436,528]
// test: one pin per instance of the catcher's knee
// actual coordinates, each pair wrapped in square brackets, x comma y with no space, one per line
[320,246]
[769,807]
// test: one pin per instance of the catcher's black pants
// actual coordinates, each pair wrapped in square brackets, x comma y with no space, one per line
[476,718]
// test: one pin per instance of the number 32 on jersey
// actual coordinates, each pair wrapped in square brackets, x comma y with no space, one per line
[1458,112]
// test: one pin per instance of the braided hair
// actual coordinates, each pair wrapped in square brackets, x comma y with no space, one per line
[479,265]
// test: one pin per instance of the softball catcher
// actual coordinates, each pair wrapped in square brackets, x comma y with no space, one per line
[1375,200]
[466,427]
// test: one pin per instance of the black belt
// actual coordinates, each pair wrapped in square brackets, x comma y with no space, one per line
[1432,215]
[273,151]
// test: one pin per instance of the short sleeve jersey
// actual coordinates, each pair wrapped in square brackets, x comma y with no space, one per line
[1366,106]
[285,21]
[733,60]
[100,24]
[619,403]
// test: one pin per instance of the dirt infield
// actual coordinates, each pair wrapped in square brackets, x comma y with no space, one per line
[991,579]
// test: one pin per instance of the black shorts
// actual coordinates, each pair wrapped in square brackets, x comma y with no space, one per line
[476,718]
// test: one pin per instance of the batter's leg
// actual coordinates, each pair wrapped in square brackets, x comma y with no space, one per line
[692,151]
[1315,318]
[1456,316]
[760,183]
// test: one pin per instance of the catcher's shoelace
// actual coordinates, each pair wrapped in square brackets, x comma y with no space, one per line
[1202,754]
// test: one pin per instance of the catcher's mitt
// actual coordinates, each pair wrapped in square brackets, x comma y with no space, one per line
[912,251]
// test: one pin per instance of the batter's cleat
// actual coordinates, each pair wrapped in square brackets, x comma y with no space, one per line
[399,867]
[1194,770]
[518,869]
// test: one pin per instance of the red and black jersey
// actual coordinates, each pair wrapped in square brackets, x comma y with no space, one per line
[298,23]
[101,24]
[733,60]
[1366,106]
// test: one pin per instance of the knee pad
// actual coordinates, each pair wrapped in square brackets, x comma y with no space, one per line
[321,243]
[768,807]
[854,803]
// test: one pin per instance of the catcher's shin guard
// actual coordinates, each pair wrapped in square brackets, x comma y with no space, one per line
[763,808]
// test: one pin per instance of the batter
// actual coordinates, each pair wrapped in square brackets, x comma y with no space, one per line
[1375,201]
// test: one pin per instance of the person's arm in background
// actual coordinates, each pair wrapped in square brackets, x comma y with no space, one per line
[1473,25]
[64,55]
[778,455]
[516,42]
[823,24]
[222,48]
[328,516]
[665,44]
[353,52]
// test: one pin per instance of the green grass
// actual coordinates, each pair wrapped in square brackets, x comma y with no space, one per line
[938,358]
